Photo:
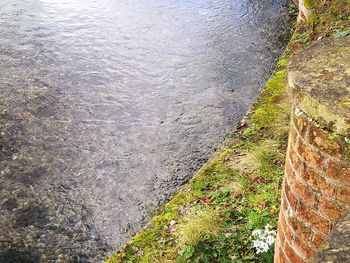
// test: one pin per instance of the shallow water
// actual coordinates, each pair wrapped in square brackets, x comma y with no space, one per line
[108,106]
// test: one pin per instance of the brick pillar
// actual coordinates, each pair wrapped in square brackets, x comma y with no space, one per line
[316,187]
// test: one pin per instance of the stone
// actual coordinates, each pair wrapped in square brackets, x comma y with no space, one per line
[319,83]
[337,246]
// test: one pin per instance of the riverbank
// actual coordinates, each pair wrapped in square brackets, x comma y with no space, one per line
[211,218]
[98,128]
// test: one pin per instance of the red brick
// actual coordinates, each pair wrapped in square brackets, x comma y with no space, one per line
[317,240]
[283,203]
[288,171]
[280,235]
[302,249]
[300,229]
[282,220]
[292,255]
[303,192]
[301,124]
[288,233]
[293,202]
[311,156]
[279,255]
[343,195]
[295,161]
[318,182]
[276,257]
[315,220]
[330,209]
[321,139]
[339,171]
[294,137]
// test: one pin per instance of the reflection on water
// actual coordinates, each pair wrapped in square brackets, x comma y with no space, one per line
[108,106]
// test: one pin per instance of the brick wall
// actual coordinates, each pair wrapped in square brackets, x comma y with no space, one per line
[316,187]
[303,11]
[315,192]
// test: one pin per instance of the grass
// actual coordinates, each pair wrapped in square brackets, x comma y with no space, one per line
[327,18]
[212,217]
[203,224]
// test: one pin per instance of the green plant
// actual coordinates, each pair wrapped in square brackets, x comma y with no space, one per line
[199,225]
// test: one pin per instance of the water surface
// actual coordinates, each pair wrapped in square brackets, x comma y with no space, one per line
[108,106]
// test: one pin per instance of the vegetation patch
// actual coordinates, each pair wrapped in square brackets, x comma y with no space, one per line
[327,18]
[212,218]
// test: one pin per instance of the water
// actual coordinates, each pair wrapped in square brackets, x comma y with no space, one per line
[107,107]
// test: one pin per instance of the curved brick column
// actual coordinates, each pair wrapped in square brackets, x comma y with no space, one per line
[303,11]
[316,187]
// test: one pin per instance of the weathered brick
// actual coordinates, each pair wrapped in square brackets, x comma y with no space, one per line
[288,171]
[321,139]
[343,195]
[317,240]
[318,182]
[301,124]
[280,235]
[282,220]
[301,230]
[279,255]
[303,192]
[339,171]
[295,161]
[283,203]
[288,233]
[292,255]
[330,209]
[290,197]
[315,220]
[282,223]
[293,135]
[311,156]
[302,249]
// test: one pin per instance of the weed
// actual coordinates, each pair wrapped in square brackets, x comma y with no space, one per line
[198,226]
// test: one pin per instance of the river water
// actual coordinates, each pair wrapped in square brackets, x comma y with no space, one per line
[108,106]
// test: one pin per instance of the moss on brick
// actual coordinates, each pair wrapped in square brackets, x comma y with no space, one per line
[310,4]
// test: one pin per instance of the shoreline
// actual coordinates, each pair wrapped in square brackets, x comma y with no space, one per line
[211,218]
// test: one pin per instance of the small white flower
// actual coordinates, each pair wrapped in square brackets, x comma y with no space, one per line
[268,227]
[257,232]
[271,233]
[265,247]
[270,240]
[264,239]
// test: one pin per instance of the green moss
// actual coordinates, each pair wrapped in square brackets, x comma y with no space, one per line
[324,246]
[283,62]
[265,116]
[270,112]
[276,85]
[326,18]
[310,4]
